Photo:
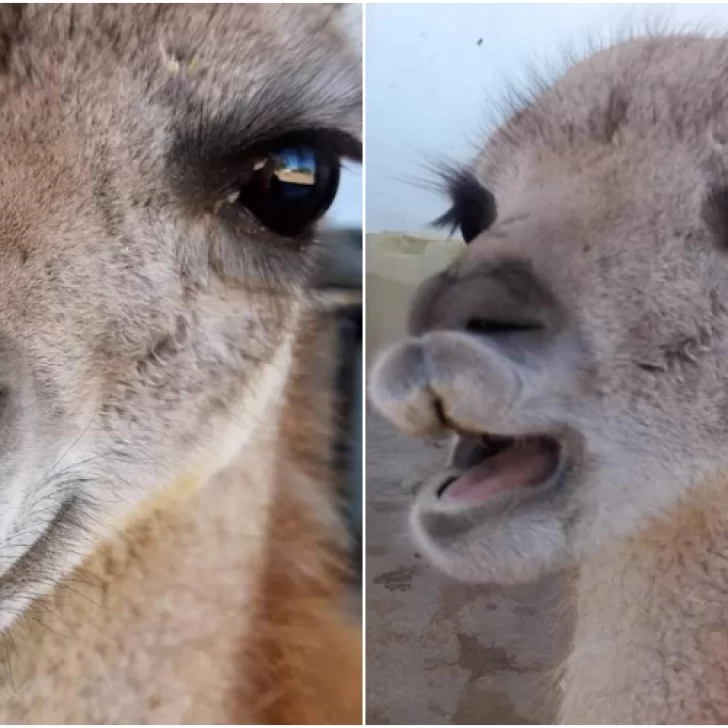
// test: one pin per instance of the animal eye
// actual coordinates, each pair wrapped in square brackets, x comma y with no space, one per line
[291,186]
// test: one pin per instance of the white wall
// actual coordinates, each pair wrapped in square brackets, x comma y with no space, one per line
[429,79]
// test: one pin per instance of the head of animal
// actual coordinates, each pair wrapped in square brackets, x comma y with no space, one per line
[162,170]
[578,347]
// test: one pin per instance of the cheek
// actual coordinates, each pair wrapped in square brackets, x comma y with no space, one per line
[243,332]
[201,367]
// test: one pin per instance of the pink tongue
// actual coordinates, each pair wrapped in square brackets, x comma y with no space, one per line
[527,463]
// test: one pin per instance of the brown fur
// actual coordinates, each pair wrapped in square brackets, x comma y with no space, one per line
[170,546]
[303,587]
[609,245]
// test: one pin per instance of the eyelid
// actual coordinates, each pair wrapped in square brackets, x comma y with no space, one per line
[346,145]
[207,167]
[341,143]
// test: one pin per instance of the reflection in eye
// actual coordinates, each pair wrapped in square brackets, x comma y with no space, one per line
[295,169]
[292,187]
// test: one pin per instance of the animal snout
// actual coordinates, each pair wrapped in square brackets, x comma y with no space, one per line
[440,380]
[400,389]
[494,299]
[474,329]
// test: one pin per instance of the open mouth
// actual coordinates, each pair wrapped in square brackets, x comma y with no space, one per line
[484,465]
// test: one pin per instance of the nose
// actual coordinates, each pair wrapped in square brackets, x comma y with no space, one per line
[492,300]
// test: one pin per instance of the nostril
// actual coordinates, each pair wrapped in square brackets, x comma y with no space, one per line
[492,327]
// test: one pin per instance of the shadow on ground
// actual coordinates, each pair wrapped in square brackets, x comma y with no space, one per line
[439,651]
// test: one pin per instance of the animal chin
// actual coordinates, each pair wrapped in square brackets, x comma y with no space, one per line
[485,465]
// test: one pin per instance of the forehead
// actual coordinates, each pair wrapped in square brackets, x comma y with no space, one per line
[670,85]
[240,65]
[108,94]
[599,211]
[628,122]
[38,38]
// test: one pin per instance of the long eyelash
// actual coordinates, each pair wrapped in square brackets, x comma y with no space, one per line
[470,200]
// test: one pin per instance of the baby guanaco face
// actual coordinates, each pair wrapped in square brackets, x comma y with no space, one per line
[162,171]
[578,347]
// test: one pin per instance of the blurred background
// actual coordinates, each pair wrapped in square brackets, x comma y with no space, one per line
[439,651]
[341,283]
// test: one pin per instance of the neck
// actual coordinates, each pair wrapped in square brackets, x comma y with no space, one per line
[651,640]
[153,625]
[219,603]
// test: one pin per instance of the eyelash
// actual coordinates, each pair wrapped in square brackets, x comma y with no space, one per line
[473,208]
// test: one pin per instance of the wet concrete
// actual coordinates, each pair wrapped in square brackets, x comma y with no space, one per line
[439,651]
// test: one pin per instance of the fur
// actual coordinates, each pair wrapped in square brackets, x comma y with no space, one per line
[607,260]
[170,546]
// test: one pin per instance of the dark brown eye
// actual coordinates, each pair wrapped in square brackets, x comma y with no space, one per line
[291,187]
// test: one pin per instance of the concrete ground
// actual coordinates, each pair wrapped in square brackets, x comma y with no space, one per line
[439,651]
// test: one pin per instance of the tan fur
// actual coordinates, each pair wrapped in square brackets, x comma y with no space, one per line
[171,550]
[310,657]
[651,642]
[218,604]
[609,245]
